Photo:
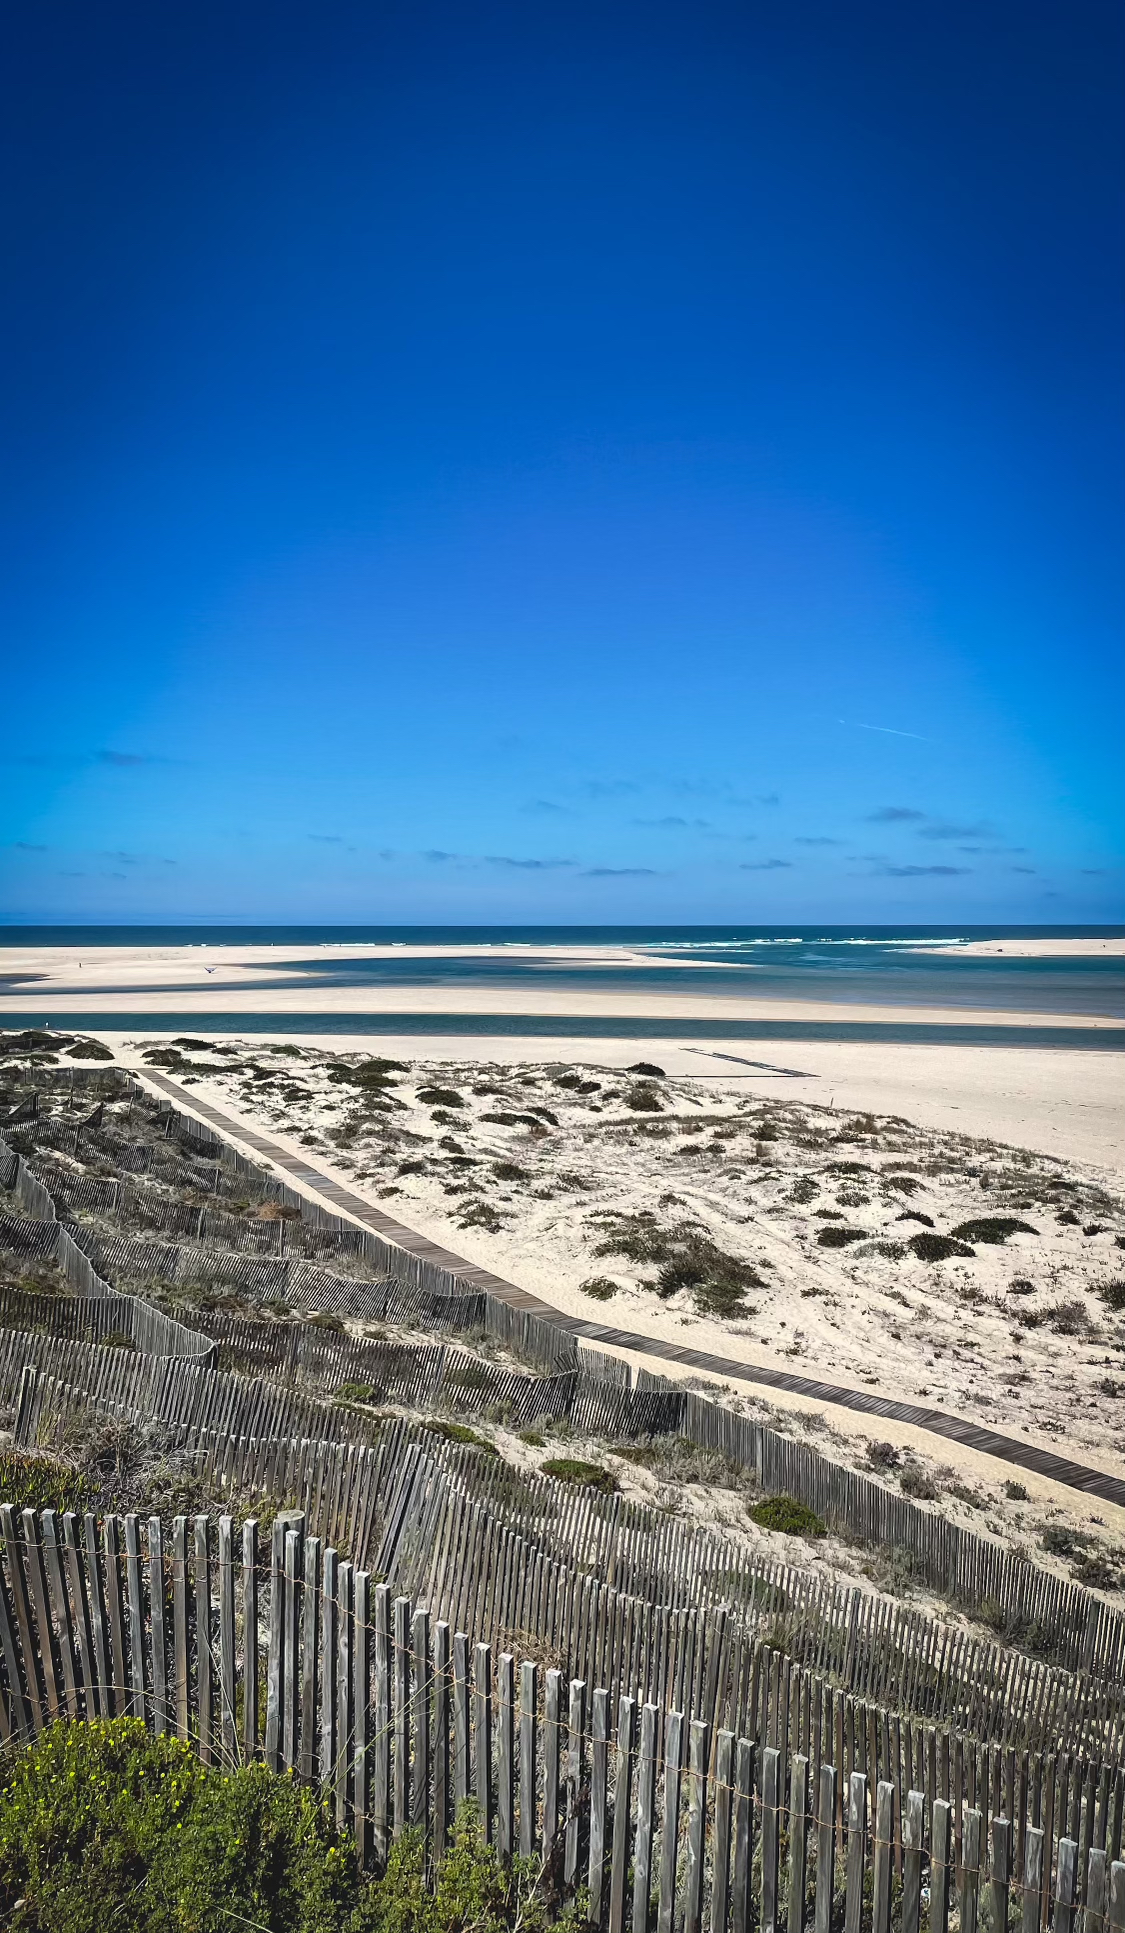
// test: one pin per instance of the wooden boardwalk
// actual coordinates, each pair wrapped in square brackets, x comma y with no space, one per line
[1008,1449]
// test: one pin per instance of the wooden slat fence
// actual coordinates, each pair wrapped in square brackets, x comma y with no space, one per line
[297,1656]
[1048,1613]
[545,1552]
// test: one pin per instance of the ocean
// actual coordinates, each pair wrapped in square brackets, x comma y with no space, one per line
[860,966]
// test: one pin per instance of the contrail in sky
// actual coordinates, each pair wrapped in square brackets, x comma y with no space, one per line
[889,729]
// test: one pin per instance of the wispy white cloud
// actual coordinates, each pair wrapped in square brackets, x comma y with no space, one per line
[527,865]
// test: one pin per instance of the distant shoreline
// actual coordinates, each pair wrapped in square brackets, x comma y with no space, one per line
[966,936]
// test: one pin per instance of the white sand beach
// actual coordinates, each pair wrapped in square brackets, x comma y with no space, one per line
[1057,1101]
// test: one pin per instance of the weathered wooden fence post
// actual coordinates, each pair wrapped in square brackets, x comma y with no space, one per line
[576,1729]
[482,1737]
[505,1754]
[913,1814]
[940,1869]
[884,1858]
[420,1719]
[798,1840]
[699,1753]
[771,1835]
[646,1806]
[441,1737]
[857,1851]
[529,1715]
[741,1902]
[460,1719]
[622,1812]
[368,1830]
[400,1699]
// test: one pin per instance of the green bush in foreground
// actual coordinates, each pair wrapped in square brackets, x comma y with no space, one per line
[102,1826]
[99,1821]
[473,1892]
[788,1514]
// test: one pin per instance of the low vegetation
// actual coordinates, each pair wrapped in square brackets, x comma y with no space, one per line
[686,1256]
[460,1433]
[573,1469]
[788,1514]
[103,1826]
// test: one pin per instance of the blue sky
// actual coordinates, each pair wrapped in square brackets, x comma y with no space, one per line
[573,462]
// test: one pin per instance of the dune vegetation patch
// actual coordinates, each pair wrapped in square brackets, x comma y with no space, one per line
[992,1228]
[936,1248]
[686,1257]
[575,1469]
[789,1515]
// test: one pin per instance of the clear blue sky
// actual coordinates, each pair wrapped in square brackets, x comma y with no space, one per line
[563,462]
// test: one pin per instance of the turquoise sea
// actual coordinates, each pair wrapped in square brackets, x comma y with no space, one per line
[860,967]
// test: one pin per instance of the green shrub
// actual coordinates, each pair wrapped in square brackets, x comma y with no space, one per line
[840,1237]
[936,1248]
[480,1214]
[647,1067]
[98,1821]
[1059,1540]
[572,1469]
[687,1256]
[41,1483]
[914,1482]
[474,1891]
[1068,1318]
[1015,1492]
[459,1433]
[88,1050]
[1096,1571]
[644,1100]
[441,1096]
[992,1228]
[788,1514]
[102,1826]
[355,1393]
[1113,1295]
[372,1074]
[601,1287]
